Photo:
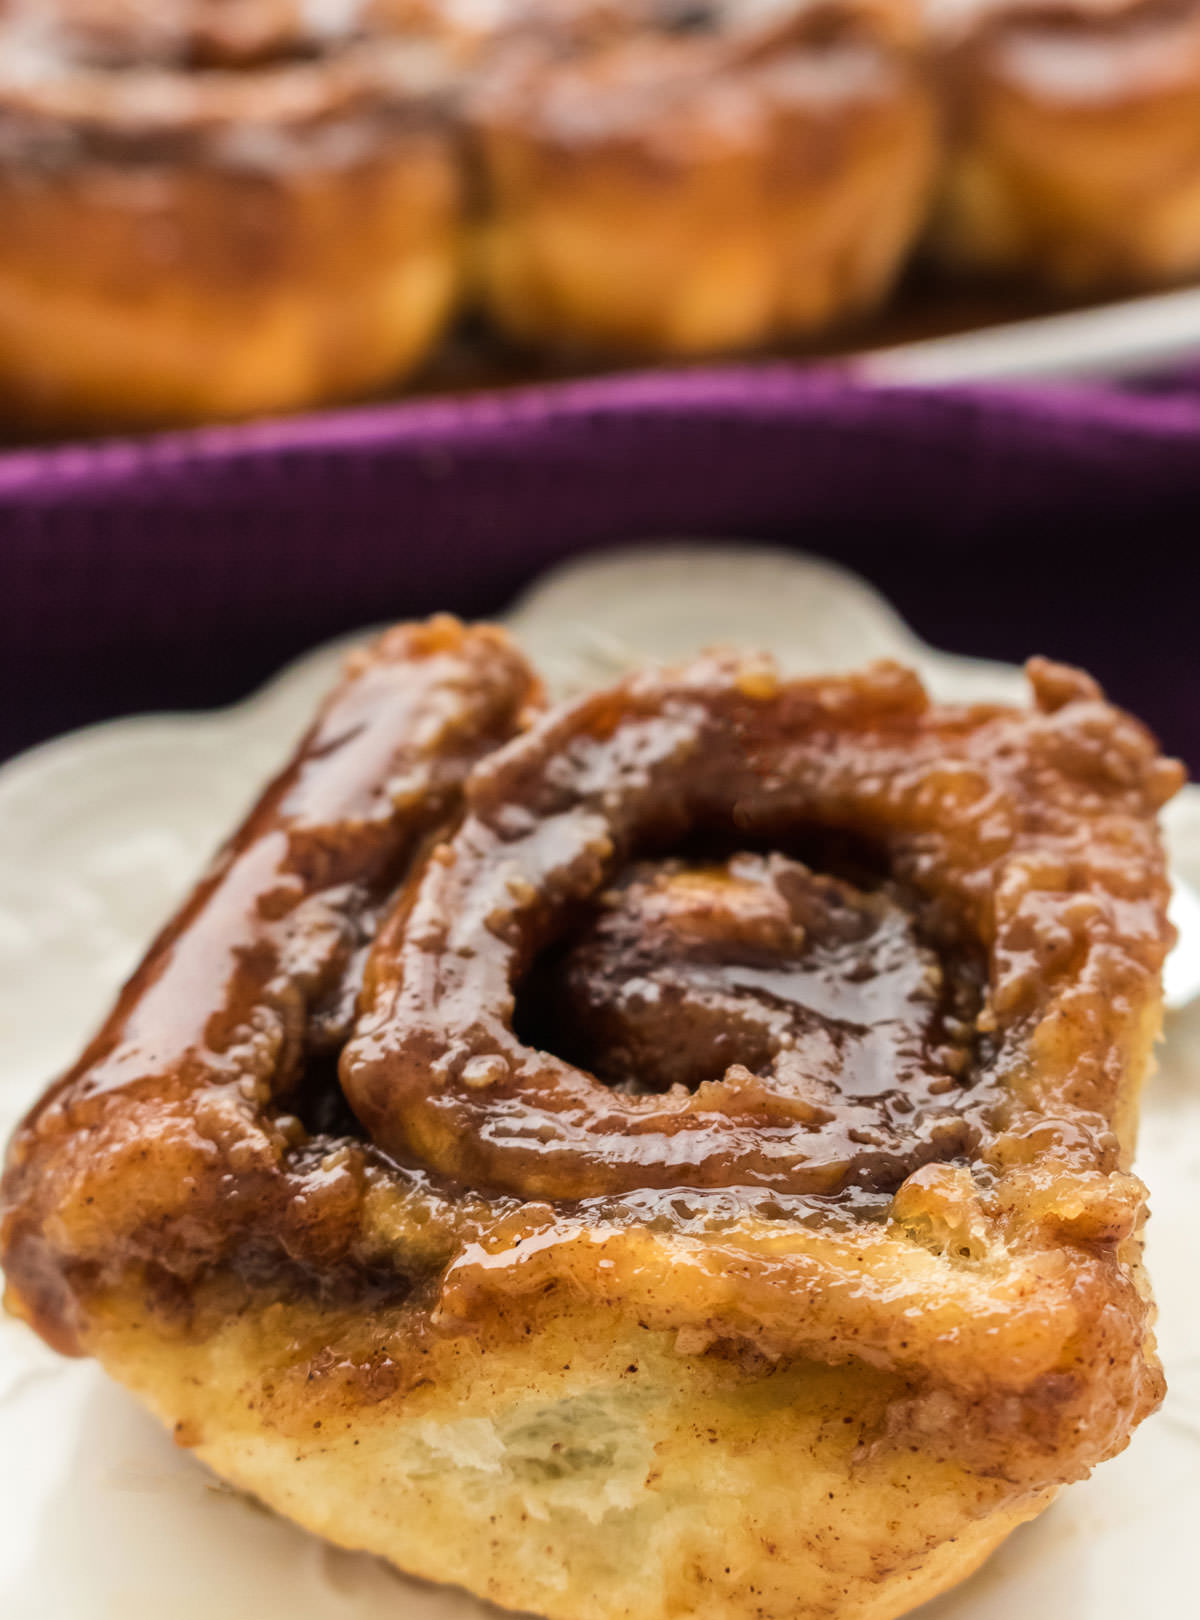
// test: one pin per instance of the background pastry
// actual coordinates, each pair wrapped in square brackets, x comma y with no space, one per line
[223,208]
[805,1334]
[667,178]
[1074,141]
[219,209]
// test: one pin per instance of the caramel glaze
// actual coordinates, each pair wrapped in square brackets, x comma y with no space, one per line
[202,34]
[955,799]
[808,1001]
[616,1036]
[189,1082]
[265,84]
[674,81]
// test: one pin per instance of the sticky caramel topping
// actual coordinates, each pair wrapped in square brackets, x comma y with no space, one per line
[760,987]
[172,1140]
[436,1069]
[226,35]
[278,85]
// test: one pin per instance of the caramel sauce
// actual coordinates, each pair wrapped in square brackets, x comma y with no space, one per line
[188,1084]
[798,993]
[263,85]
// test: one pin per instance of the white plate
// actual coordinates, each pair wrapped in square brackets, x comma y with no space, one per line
[101,1517]
[1130,338]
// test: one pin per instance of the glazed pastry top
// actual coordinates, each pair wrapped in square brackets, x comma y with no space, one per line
[789,995]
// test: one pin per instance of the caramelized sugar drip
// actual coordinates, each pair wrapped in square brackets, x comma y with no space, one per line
[195,1129]
[802,996]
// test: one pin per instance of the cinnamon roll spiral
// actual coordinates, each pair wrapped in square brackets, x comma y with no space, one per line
[567,1151]
[822,998]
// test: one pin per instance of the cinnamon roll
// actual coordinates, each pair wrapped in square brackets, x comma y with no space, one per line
[665,1155]
[215,208]
[1074,152]
[665,177]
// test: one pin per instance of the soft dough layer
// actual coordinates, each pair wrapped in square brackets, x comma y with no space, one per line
[591,1470]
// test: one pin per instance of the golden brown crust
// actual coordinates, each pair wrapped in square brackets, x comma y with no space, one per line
[901,1203]
[264,203]
[588,1468]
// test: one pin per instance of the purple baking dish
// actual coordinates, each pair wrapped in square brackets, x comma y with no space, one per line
[181,570]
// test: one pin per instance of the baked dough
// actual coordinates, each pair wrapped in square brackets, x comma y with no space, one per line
[216,211]
[672,179]
[667,1155]
[1074,146]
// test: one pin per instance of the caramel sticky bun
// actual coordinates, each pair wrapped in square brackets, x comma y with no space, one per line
[672,177]
[1074,153]
[663,1155]
[219,207]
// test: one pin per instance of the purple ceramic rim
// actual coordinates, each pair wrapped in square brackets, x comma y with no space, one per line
[766,387]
